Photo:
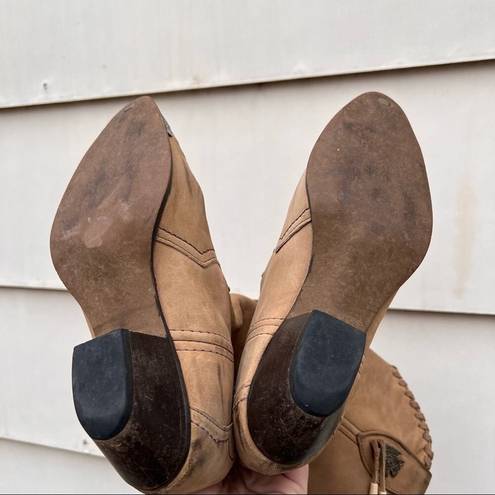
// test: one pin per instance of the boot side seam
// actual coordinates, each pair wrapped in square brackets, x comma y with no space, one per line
[303,222]
[204,350]
[191,330]
[187,242]
[205,415]
[205,429]
[202,260]
[226,349]
[293,222]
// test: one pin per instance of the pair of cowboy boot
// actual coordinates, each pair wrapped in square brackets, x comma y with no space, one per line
[382,444]
[131,242]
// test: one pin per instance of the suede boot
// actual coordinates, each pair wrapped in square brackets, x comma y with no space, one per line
[131,243]
[358,226]
[382,444]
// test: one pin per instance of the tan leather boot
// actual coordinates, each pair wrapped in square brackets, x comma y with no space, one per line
[383,443]
[131,243]
[358,226]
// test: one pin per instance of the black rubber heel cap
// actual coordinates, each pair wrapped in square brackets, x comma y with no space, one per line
[102,384]
[325,364]
[130,398]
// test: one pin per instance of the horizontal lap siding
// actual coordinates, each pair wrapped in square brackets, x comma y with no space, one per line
[54,51]
[248,146]
[447,360]
[29,468]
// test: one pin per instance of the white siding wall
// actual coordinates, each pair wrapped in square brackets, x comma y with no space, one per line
[447,360]
[66,51]
[247,145]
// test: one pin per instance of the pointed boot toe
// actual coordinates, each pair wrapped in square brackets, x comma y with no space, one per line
[358,226]
[131,243]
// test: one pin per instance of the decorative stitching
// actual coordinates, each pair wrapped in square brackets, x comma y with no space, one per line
[242,388]
[209,418]
[263,324]
[293,222]
[293,230]
[205,343]
[238,392]
[268,318]
[236,405]
[347,433]
[170,242]
[418,415]
[251,337]
[216,440]
[199,331]
[187,242]
[238,400]
[351,423]
[203,350]
[185,252]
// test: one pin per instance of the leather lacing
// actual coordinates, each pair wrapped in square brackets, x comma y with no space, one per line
[419,416]
[379,480]
[379,447]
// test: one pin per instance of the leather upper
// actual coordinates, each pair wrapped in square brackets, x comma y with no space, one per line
[281,283]
[382,408]
[195,301]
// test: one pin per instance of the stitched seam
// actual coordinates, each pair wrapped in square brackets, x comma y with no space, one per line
[268,318]
[264,324]
[352,423]
[422,425]
[293,222]
[211,420]
[299,228]
[204,350]
[198,331]
[201,257]
[236,405]
[187,242]
[183,250]
[294,229]
[205,343]
[239,392]
[347,434]
[346,427]
[216,440]
[244,386]
[257,335]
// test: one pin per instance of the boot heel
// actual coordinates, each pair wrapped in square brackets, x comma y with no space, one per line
[301,385]
[129,397]
[325,364]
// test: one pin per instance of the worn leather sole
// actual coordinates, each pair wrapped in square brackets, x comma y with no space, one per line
[371,222]
[128,386]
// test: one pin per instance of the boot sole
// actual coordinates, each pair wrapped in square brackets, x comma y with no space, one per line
[371,219]
[128,387]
